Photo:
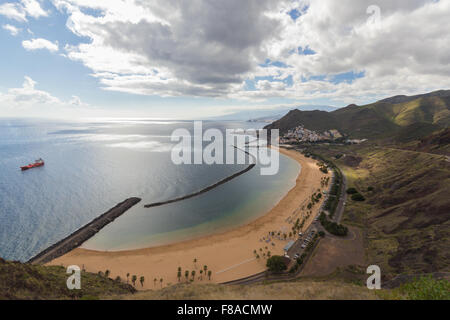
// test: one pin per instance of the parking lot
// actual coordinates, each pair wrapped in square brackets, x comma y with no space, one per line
[303,240]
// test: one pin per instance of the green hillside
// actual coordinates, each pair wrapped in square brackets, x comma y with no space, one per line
[406,215]
[394,119]
[26,281]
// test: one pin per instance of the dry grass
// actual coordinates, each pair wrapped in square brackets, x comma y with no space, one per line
[405,218]
[299,290]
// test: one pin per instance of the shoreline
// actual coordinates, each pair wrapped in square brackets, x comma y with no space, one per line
[228,254]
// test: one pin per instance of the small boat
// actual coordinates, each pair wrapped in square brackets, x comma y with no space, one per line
[37,163]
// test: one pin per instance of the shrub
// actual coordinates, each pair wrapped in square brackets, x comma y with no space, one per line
[276,264]
[352,191]
[324,170]
[333,227]
[294,268]
[370,189]
[427,288]
[358,197]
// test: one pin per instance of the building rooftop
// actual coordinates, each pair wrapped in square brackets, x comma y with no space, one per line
[289,245]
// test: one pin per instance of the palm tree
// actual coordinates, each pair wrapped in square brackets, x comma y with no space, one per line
[205,267]
[195,263]
[186,274]
[107,272]
[209,274]
[161,281]
[142,279]
[201,274]
[118,279]
[128,275]
[154,281]
[268,254]
[133,279]
[179,275]
[193,274]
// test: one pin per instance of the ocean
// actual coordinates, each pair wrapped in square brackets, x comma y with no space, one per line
[91,166]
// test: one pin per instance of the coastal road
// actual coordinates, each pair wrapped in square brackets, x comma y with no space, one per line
[436,155]
[296,248]
[342,201]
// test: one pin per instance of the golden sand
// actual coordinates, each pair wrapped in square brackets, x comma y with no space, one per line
[229,255]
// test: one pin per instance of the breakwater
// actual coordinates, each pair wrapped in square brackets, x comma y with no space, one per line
[84,233]
[209,188]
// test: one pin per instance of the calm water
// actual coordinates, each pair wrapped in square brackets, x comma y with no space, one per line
[90,167]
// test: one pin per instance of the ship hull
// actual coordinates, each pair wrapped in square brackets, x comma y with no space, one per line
[31,166]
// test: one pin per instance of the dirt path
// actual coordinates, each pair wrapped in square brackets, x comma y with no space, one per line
[334,252]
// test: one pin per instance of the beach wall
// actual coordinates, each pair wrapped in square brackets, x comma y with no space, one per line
[209,188]
[84,233]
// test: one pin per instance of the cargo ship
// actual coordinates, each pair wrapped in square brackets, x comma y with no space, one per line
[37,163]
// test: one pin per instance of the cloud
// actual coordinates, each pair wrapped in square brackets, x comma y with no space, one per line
[200,48]
[33,9]
[13,11]
[217,48]
[75,101]
[39,43]
[27,95]
[20,11]
[12,29]
[345,40]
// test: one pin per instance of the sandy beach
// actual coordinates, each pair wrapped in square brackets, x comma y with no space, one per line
[229,255]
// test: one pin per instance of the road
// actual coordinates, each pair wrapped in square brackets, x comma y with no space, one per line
[342,201]
[447,158]
[296,247]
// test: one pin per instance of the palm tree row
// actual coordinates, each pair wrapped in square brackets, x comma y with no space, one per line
[192,274]
[261,253]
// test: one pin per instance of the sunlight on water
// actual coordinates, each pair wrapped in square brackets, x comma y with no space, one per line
[90,167]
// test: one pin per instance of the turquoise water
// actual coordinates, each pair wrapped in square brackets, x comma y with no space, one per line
[91,166]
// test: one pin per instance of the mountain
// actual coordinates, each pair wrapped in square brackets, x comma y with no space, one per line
[438,143]
[399,118]
[265,115]
[402,99]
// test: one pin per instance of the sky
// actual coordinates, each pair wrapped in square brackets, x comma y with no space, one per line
[193,59]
